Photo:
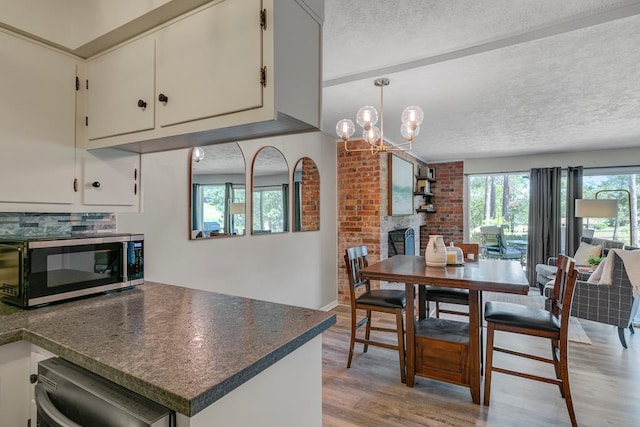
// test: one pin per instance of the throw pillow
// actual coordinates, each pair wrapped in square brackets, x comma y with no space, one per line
[585,251]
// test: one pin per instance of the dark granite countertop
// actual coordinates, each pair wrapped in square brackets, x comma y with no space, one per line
[180,347]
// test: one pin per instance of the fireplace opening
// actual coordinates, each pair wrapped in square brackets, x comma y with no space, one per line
[402,242]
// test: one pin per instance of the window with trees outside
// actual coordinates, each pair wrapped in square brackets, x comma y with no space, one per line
[619,184]
[269,209]
[212,213]
[503,200]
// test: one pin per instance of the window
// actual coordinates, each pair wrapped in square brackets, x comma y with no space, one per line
[619,184]
[503,199]
[499,199]
[211,213]
[269,209]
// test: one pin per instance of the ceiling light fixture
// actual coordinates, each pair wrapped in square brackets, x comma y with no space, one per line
[367,118]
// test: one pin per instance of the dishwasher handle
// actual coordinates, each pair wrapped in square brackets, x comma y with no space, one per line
[48,411]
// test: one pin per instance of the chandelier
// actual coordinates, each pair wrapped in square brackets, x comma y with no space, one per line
[367,118]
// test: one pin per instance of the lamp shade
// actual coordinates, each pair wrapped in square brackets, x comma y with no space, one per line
[236,208]
[596,208]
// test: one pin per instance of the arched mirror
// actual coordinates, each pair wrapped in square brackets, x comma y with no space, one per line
[306,196]
[217,191]
[270,192]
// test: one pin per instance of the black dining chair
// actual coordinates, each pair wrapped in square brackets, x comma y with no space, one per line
[442,295]
[362,297]
[552,324]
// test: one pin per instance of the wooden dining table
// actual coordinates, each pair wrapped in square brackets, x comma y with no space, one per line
[447,350]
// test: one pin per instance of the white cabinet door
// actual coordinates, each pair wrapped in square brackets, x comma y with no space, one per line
[37,123]
[110,180]
[120,94]
[14,384]
[208,64]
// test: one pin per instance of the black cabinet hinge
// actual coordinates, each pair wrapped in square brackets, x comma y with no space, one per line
[86,84]
[263,76]
[75,185]
[135,174]
[86,120]
[263,19]
[77,83]
[135,189]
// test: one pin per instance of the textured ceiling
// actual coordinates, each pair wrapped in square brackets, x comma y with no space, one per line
[494,77]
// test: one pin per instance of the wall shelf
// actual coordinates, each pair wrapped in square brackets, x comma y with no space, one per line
[423,189]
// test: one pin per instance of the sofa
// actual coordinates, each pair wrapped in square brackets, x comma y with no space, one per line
[610,304]
[546,272]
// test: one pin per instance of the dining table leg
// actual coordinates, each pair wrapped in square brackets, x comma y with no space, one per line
[410,334]
[475,358]
[422,302]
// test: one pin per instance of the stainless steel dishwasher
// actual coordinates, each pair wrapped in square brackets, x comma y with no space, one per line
[67,395]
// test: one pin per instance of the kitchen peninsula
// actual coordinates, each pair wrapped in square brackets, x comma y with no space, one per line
[210,357]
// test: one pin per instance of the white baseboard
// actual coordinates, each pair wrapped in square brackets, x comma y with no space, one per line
[329,306]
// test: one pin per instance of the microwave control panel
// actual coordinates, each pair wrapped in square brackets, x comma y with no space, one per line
[135,260]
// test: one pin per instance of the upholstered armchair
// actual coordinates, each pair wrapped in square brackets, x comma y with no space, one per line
[610,304]
[546,272]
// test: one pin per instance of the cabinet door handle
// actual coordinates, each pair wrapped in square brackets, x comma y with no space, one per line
[95,184]
[142,104]
[163,98]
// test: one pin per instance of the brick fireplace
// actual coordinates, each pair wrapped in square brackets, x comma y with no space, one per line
[363,208]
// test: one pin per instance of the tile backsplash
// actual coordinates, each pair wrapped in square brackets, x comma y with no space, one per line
[43,224]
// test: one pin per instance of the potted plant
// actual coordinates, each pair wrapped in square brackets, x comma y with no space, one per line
[594,261]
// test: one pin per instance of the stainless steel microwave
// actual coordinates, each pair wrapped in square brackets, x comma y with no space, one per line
[42,270]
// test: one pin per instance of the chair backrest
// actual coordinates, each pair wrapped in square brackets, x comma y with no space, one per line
[489,235]
[563,287]
[502,244]
[470,251]
[355,259]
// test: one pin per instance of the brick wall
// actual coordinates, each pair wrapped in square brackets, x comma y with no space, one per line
[448,198]
[310,203]
[363,208]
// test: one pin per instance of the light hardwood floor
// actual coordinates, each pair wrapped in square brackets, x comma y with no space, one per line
[605,385]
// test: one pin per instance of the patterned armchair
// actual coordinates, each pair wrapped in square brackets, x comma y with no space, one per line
[545,272]
[610,304]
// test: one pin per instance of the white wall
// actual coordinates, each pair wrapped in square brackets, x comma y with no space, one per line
[72,23]
[588,159]
[292,268]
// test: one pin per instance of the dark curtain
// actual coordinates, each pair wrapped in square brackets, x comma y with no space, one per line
[285,207]
[228,199]
[196,203]
[544,218]
[574,225]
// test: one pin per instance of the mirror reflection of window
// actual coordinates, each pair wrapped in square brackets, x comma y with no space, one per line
[306,196]
[270,192]
[217,191]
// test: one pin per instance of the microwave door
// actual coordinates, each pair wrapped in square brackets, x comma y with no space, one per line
[78,270]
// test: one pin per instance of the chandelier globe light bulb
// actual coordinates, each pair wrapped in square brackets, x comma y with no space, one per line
[413,115]
[345,128]
[409,132]
[371,135]
[367,117]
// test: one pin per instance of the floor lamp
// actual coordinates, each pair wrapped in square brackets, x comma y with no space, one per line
[596,208]
[631,236]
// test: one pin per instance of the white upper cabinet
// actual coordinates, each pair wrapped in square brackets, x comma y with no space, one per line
[37,123]
[40,168]
[231,70]
[209,63]
[120,90]
[110,179]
